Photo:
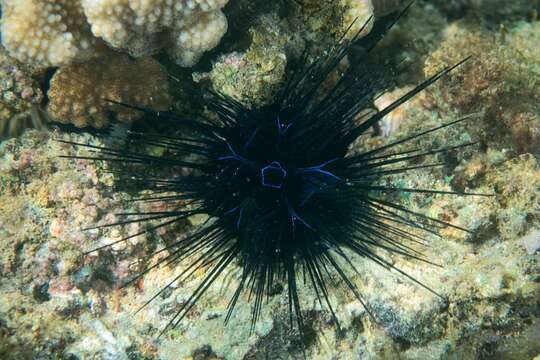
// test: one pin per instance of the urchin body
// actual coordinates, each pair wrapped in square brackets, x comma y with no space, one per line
[284,194]
[270,186]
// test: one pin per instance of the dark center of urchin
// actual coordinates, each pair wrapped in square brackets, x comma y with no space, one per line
[270,187]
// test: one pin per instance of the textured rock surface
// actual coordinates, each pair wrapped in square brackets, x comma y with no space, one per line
[338,18]
[501,82]
[491,10]
[57,302]
[253,77]
[72,303]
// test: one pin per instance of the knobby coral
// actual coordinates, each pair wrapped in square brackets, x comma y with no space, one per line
[79,94]
[47,32]
[74,35]
[186,28]
[59,32]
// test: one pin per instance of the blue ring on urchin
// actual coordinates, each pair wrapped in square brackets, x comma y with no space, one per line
[283,192]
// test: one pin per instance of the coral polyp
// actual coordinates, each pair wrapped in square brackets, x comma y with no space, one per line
[289,196]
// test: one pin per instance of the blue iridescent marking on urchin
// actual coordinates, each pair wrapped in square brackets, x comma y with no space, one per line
[282,128]
[294,217]
[316,179]
[273,175]
[234,155]
[240,210]
[319,169]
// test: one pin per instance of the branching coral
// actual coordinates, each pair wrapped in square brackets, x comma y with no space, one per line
[186,28]
[46,32]
[79,93]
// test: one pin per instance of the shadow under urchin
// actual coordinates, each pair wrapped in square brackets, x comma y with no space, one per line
[284,193]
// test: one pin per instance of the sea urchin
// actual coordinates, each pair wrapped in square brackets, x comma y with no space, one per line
[284,192]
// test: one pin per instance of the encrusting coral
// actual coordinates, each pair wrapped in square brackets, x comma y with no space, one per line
[79,93]
[46,32]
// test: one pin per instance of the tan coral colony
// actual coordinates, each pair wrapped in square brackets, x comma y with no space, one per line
[46,32]
[186,28]
[79,93]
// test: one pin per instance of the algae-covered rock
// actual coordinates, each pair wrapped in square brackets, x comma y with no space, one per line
[59,301]
[491,10]
[500,82]
[20,97]
[75,306]
[253,77]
